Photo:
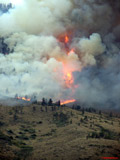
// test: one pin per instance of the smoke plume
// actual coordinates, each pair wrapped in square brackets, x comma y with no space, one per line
[62,50]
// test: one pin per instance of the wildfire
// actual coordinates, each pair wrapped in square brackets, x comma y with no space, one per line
[71,51]
[67,69]
[68,66]
[68,76]
[66,39]
[67,101]
[69,80]
[23,98]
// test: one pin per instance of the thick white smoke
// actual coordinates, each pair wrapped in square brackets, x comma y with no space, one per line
[38,60]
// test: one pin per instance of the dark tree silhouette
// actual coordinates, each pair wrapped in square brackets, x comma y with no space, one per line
[43,102]
[50,102]
[58,103]
[78,107]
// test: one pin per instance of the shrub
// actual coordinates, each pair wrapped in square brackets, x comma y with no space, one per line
[47,134]
[53,130]
[33,136]
[40,122]
[31,130]
[10,132]
[22,137]
[71,121]
[2,123]
[81,120]
[25,152]
[104,133]
[5,138]
[18,143]
[60,119]
[86,118]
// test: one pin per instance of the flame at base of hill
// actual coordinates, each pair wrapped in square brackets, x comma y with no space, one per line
[23,98]
[67,101]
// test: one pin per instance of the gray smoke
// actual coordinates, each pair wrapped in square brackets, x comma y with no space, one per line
[37,60]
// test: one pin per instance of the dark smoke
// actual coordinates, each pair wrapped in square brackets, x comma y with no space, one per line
[31,32]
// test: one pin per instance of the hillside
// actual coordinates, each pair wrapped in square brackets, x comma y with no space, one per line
[36,132]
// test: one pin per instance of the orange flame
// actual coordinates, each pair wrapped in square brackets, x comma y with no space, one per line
[23,98]
[68,101]
[68,68]
[71,51]
[66,39]
[69,80]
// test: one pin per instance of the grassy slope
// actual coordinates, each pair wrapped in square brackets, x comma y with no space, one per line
[35,135]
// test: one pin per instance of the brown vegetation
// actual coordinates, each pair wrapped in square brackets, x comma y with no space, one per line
[59,133]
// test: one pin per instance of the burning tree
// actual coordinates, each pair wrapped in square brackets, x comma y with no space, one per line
[22,98]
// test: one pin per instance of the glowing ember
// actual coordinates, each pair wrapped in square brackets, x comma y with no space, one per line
[71,51]
[23,98]
[69,80]
[66,39]
[67,101]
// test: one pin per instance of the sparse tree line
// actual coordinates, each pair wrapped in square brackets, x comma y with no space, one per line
[78,107]
[91,110]
[44,105]
[83,110]
[49,102]
[45,102]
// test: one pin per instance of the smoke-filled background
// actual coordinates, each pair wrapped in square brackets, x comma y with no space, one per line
[36,59]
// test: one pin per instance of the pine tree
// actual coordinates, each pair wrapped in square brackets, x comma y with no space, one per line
[50,102]
[58,103]
[43,102]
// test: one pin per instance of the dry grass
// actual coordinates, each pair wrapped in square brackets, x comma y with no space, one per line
[34,134]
